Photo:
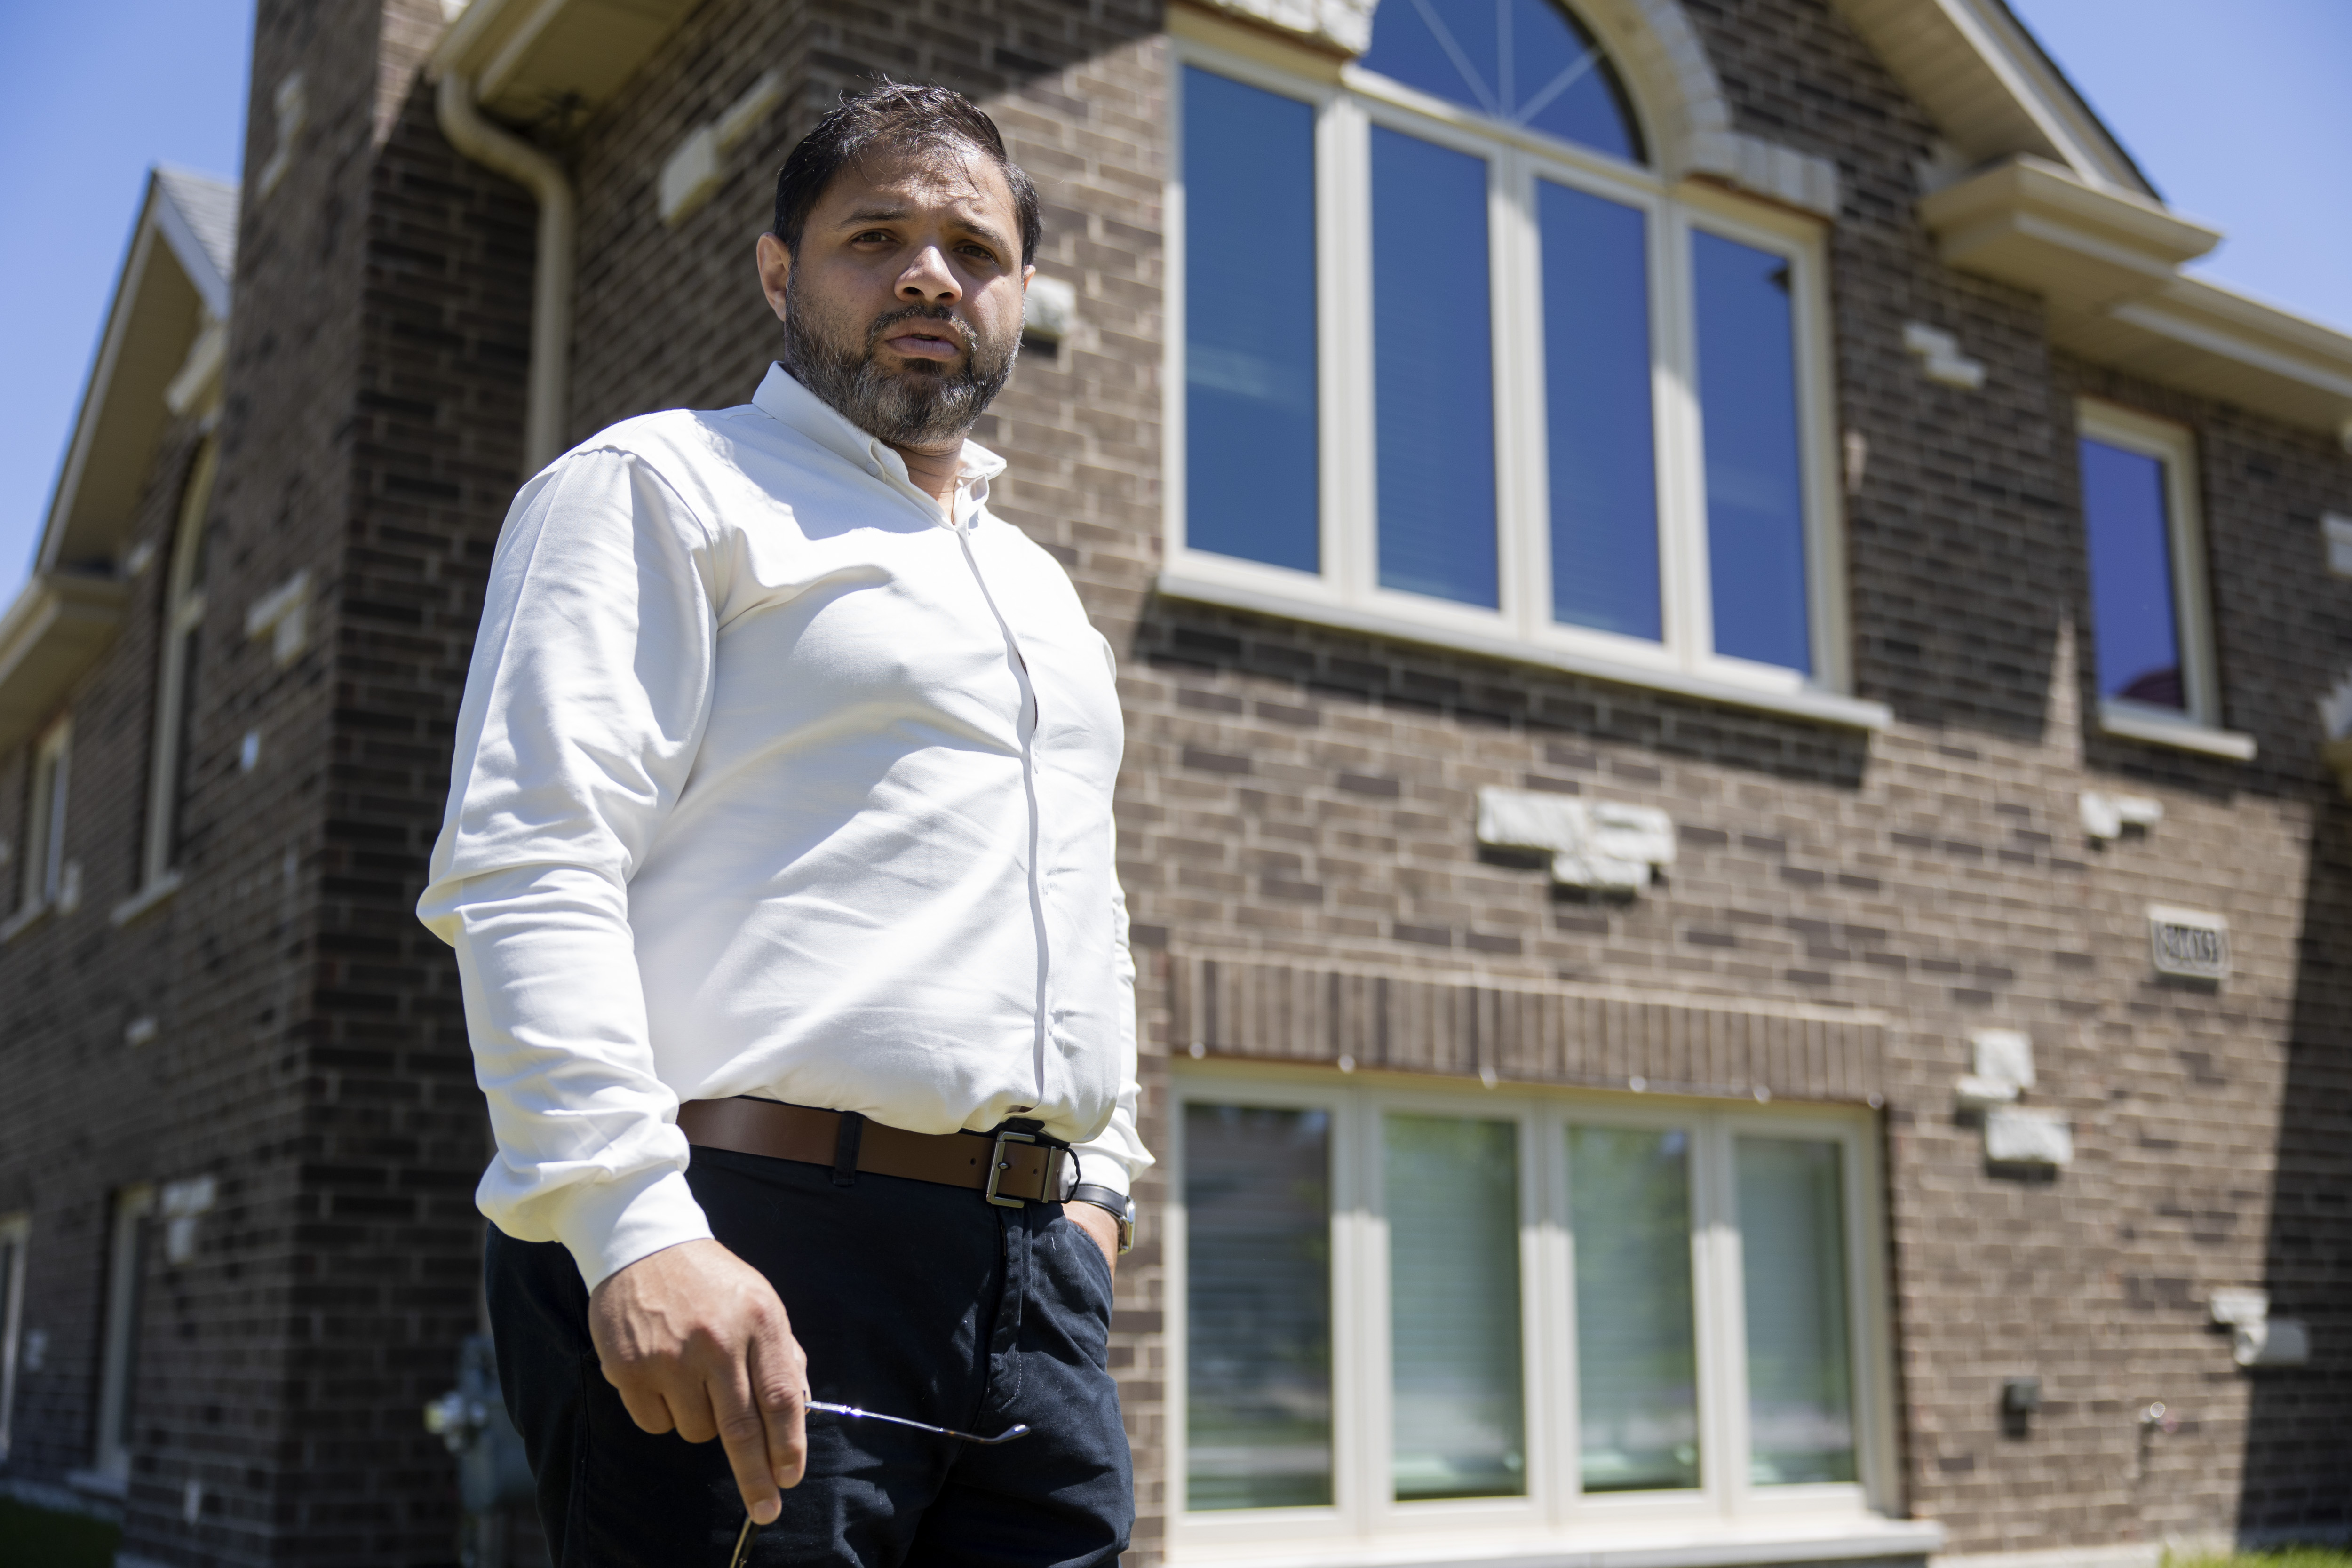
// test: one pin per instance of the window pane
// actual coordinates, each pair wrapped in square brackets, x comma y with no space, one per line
[1525,62]
[1433,375]
[1755,487]
[1258,1307]
[1799,1367]
[1637,1357]
[1605,486]
[2132,604]
[1251,453]
[1453,1194]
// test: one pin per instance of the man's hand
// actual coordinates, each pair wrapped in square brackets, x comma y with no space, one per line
[1097,1223]
[698,1343]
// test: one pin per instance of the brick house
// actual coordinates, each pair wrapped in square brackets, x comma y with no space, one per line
[1732,696]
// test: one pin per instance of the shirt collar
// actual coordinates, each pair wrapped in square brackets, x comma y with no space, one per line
[786,401]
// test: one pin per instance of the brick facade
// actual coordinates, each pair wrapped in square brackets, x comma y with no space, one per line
[1295,811]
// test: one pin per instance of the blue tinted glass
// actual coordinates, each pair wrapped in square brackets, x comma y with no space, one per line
[2132,607]
[1525,62]
[1604,487]
[1250,446]
[1434,378]
[1755,485]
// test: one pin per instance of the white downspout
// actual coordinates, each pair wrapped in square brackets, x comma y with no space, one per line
[551,314]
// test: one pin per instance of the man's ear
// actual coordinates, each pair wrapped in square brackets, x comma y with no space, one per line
[775,265]
[1027,272]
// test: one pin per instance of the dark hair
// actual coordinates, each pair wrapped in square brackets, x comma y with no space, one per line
[901,117]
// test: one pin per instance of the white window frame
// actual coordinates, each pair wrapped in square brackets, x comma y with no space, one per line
[2200,729]
[126,1259]
[1554,1515]
[184,612]
[50,882]
[1347,103]
[16,1238]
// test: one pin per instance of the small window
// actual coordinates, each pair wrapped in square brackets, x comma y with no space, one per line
[1458,365]
[15,1231]
[1409,1308]
[45,818]
[2150,642]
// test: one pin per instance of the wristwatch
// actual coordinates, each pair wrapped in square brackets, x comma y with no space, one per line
[1121,1207]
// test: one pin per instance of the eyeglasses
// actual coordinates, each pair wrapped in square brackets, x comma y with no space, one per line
[852,1413]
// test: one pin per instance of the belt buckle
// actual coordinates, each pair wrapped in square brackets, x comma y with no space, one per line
[997,1166]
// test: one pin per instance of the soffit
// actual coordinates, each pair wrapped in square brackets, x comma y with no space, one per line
[1989,87]
[56,629]
[533,58]
[2108,263]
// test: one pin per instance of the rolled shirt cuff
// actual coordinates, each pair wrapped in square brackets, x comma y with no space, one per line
[1103,1168]
[607,1225]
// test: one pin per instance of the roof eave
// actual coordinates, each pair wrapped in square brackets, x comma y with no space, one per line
[60,624]
[527,57]
[2108,265]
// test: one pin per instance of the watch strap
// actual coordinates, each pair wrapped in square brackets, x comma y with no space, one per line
[1120,1206]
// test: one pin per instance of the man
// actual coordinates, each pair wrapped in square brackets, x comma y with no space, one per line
[779,827]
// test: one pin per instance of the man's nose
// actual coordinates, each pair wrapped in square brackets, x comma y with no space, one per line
[930,278]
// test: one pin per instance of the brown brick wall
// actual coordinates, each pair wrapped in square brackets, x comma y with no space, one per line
[1298,802]
[1295,810]
[307,1055]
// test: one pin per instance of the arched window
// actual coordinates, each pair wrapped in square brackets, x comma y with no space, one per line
[1458,361]
[1524,62]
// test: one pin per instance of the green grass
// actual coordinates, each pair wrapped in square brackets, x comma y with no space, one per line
[42,1538]
[2282,1557]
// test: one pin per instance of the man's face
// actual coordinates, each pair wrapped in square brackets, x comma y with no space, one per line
[902,306]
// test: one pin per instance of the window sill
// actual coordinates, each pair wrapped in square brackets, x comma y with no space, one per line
[1822,707]
[23,920]
[147,897]
[100,1483]
[2163,730]
[1657,1547]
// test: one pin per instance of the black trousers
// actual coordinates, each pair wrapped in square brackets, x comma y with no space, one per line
[911,1298]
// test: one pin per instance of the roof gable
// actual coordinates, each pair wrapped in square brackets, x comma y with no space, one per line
[174,286]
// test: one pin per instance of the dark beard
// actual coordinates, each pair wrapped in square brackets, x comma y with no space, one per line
[926,408]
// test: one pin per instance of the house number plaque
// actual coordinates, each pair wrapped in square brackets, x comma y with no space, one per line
[2189,942]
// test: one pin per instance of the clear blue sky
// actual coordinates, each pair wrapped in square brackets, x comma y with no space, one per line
[2236,112]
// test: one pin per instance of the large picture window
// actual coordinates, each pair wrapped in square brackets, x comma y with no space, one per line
[1454,360]
[1409,1307]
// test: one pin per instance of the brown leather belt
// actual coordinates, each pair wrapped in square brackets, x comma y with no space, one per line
[1008,1168]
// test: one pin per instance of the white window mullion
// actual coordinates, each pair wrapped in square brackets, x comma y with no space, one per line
[1874,1456]
[1552,1435]
[1344,280]
[1688,605]
[1362,1412]
[1817,435]
[1523,554]
[1722,1340]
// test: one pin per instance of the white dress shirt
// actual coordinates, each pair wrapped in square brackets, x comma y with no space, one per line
[771,780]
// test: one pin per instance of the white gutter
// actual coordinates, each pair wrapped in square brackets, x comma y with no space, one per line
[491,146]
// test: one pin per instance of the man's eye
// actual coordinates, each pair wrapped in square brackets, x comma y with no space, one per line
[871,234]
